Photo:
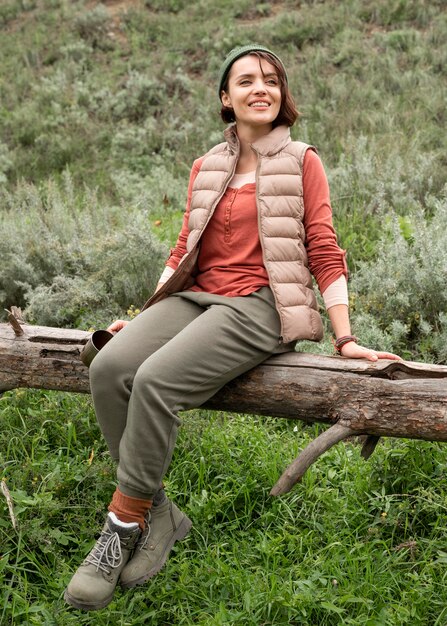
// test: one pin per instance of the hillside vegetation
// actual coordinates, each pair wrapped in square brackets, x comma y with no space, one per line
[103,108]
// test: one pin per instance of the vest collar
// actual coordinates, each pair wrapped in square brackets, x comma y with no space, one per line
[268,145]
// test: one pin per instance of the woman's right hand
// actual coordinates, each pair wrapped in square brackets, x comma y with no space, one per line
[117,326]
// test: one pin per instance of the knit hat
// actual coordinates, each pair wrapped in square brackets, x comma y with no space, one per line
[238,52]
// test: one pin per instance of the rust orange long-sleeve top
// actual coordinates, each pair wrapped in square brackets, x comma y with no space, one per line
[230,258]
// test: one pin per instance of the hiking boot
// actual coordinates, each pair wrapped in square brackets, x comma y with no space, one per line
[94,582]
[165,524]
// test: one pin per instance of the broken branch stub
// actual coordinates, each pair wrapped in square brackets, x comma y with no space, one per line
[14,321]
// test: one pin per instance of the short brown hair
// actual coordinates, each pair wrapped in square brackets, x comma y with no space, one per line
[288,112]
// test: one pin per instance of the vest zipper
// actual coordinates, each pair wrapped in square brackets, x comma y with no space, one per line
[261,240]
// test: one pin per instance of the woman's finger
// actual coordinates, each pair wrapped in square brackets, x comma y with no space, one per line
[388,355]
[354,351]
[117,326]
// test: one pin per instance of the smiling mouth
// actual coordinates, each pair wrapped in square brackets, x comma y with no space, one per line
[259,105]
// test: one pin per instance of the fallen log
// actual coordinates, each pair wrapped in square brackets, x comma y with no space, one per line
[357,397]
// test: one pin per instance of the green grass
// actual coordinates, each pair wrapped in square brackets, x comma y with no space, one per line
[354,543]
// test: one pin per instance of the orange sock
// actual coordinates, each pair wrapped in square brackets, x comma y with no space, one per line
[128,509]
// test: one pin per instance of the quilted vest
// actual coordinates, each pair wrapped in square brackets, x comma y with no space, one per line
[279,199]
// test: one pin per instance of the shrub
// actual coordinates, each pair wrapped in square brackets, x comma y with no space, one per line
[401,293]
[171,6]
[380,179]
[301,27]
[77,51]
[69,259]
[131,142]
[368,187]
[139,96]
[6,162]
[8,12]
[398,11]
[159,188]
[93,26]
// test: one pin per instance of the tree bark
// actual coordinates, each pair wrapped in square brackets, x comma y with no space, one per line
[42,358]
[391,398]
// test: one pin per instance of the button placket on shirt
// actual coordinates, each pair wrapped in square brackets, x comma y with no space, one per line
[227,216]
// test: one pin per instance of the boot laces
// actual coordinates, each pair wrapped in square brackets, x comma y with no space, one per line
[146,533]
[106,554]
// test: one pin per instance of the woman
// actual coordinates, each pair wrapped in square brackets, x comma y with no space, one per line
[258,205]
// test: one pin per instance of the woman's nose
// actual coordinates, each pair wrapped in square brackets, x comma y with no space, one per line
[259,86]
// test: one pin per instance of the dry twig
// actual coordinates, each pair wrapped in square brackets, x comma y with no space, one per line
[14,321]
[6,493]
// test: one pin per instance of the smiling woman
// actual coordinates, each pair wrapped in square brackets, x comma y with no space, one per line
[237,288]
[244,70]
[252,92]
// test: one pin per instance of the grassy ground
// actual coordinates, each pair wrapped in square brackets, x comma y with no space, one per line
[354,543]
[103,107]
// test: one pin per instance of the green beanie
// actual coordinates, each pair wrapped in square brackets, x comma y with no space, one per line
[238,52]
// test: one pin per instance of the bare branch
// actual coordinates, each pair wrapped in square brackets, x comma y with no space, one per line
[311,453]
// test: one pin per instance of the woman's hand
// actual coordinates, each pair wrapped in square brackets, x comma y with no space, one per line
[117,326]
[352,350]
[339,317]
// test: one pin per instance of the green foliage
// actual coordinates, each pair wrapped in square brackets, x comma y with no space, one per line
[402,292]
[93,27]
[172,6]
[71,259]
[368,189]
[5,162]
[353,71]
[400,11]
[308,25]
[9,10]
[379,182]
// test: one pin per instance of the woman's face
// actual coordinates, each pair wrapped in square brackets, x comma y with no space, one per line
[253,92]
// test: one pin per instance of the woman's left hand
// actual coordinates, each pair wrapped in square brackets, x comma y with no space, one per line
[352,350]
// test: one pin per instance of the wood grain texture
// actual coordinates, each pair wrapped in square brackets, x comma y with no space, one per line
[386,398]
[399,399]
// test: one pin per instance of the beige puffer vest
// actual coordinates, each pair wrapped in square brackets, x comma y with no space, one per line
[279,198]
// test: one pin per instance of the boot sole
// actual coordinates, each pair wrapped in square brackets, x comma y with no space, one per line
[180,533]
[86,606]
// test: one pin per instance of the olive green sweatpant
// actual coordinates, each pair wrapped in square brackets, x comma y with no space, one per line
[174,356]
